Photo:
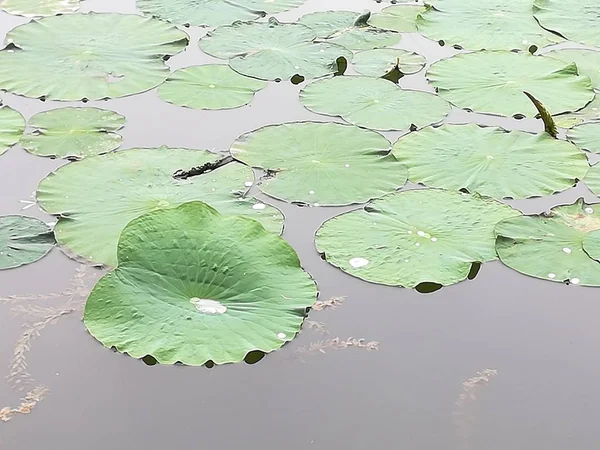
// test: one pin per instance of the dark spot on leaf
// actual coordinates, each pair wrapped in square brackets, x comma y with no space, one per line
[209,364]
[254,357]
[297,79]
[427,287]
[475,267]
[149,360]
[533,49]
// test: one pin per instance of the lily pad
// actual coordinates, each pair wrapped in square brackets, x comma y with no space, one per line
[381,61]
[12,125]
[491,25]
[350,29]
[373,103]
[39,8]
[592,180]
[490,161]
[209,87]
[400,18]
[213,13]
[273,50]
[73,132]
[591,244]
[576,20]
[493,83]
[588,62]
[23,240]
[413,237]
[194,286]
[72,57]
[96,197]
[586,136]
[589,113]
[321,163]
[550,246]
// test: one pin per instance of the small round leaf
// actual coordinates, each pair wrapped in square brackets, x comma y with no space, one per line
[381,61]
[23,240]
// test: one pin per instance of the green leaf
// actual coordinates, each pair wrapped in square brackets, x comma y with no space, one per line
[96,197]
[38,8]
[73,132]
[588,62]
[413,237]
[589,113]
[209,87]
[576,20]
[490,24]
[400,18]
[194,286]
[73,57]
[344,28]
[321,163]
[23,240]
[592,179]
[550,246]
[373,103]
[591,244]
[586,136]
[12,125]
[273,50]
[493,83]
[213,13]
[381,61]
[490,161]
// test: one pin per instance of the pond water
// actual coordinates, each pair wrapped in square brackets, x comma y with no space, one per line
[500,362]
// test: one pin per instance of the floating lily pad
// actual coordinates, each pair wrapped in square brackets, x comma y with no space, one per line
[589,113]
[550,246]
[400,18]
[373,103]
[413,237]
[209,87]
[493,83]
[588,62]
[213,13]
[96,197]
[576,20]
[591,244]
[586,136]
[12,125]
[194,286]
[490,161]
[381,61]
[73,57]
[273,50]
[39,8]
[592,180]
[350,29]
[73,132]
[321,163]
[491,25]
[23,240]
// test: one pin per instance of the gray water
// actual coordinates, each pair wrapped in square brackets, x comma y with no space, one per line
[540,337]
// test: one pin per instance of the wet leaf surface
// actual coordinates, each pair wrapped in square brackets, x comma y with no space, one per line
[23,240]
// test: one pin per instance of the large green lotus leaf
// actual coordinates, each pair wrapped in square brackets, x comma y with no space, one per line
[23,240]
[401,18]
[73,132]
[96,197]
[194,286]
[550,246]
[273,50]
[373,103]
[213,13]
[591,244]
[381,61]
[576,20]
[589,113]
[493,82]
[588,62]
[489,24]
[12,125]
[413,237]
[586,136]
[321,163]
[37,8]
[73,57]
[341,27]
[209,87]
[592,180]
[490,161]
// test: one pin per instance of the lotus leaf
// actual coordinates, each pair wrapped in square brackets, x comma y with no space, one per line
[400,18]
[373,103]
[576,20]
[23,240]
[550,246]
[38,8]
[592,180]
[381,61]
[96,197]
[586,136]
[589,113]
[73,132]
[194,286]
[321,163]
[413,237]
[12,125]
[493,83]
[588,62]
[72,57]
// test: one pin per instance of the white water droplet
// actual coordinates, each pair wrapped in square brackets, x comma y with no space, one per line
[346,165]
[567,250]
[212,86]
[574,280]
[296,67]
[311,192]
[259,206]
[248,183]
[316,204]
[209,307]
[417,244]
[213,189]
[433,239]
[409,231]
[490,157]
[589,210]
[358,262]
[551,275]
[421,233]
[322,51]
[406,260]
[524,41]
[375,101]
[281,335]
